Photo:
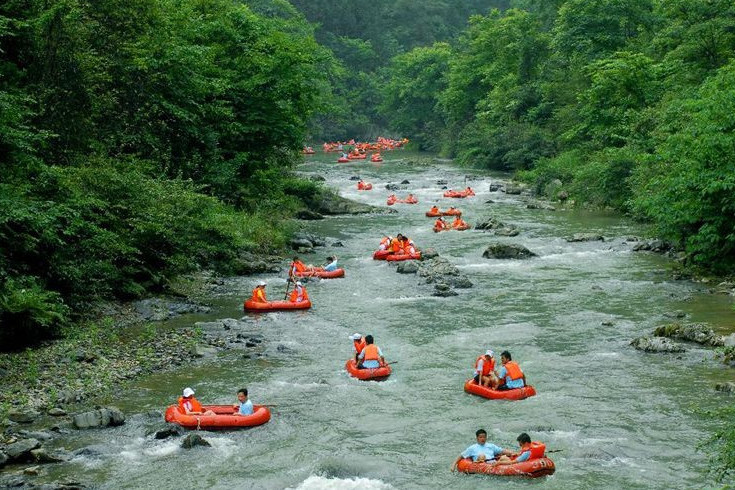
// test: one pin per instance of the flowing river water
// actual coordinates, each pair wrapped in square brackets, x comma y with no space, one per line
[619,418]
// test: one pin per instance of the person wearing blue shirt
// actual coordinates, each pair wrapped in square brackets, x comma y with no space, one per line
[510,375]
[245,406]
[371,356]
[524,440]
[331,264]
[482,451]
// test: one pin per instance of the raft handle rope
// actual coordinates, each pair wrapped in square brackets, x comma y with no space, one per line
[199,423]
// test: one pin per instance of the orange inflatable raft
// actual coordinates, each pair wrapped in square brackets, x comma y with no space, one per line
[452,212]
[365,187]
[515,394]
[429,214]
[361,156]
[321,273]
[251,305]
[399,257]
[461,194]
[376,160]
[462,227]
[533,468]
[343,160]
[374,374]
[380,254]
[222,420]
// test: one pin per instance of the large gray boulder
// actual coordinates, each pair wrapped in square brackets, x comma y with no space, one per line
[4,458]
[585,237]
[23,416]
[193,440]
[698,333]
[429,253]
[103,417]
[443,291]
[657,344]
[332,204]
[407,267]
[20,451]
[42,455]
[507,251]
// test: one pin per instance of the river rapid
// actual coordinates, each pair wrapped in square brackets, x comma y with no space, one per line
[619,418]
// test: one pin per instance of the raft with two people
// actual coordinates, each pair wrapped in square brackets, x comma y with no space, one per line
[536,466]
[321,273]
[223,417]
[343,160]
[435,212]
[368,374]
[376,158]
[252,305]
[410,199]
[470,386]
[460,194]
[364,186]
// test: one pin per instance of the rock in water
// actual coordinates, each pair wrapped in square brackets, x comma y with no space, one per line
[657,344]
[193,440]
[507,251]
[21,450]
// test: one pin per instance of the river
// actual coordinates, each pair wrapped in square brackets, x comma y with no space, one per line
[619,418]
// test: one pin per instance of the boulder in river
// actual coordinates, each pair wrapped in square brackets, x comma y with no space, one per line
[699,333]
[429,253]
[507,251]
[443,291]
[586,237]
[193,440]
[355,177]
[103,417]
[329,203]
[507,231]
[405,182]
[20,451]
[23,416]
[308,215]
[317,178]
[4,458]
[43,456]
[512,189]
[172,430]
[494,187]
[657,344]
[407,267]
[393,187]
[727,387]
[540,205]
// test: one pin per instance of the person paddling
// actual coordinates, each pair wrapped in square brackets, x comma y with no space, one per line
[529,450]
[371,356]
[259,293]
[244,406]
[297,267]
[481,451]
[190,405]
[510,375]
[331,264]
[358,344]
[440,224]
[299,293]
[484,368]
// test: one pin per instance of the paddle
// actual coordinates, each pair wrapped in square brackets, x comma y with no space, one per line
[389,363]
[555,451]
[288,286]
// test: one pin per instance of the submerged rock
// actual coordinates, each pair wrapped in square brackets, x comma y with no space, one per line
[728,387]
[104,417]
[407,267]
[507,251]
[193,440]
[443,291]
[540,205]
[585,237]
[657,344]
[699,333]
[172,430]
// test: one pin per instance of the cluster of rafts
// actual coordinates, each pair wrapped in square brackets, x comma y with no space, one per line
[536,466]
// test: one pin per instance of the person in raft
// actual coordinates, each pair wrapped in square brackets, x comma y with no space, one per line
[469,191]
[385,242]
[190,405]
[331,264]
[434,210]
[243,405]
[481,451]
[452,210]
[440,224]
[297,266]
[396,245]
[358,343]
[408,246]
[510,375]
[259,293]
[484,368]
[458,222]
[527,451]
[299,293]
[371,356]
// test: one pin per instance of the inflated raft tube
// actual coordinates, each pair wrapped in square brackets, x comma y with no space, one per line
[380,254]
[429,214]
[463,227]
[357,157]
[222,420]
[533,468]
[374,374]
[251,305]
[376,160]
[399,257]
[455,194]
[321,273]
[343,160]
[366,187]
[515,394]
[452,212]
[437,229]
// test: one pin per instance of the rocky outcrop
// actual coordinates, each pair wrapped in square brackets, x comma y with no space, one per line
[443,291]
[308,215]
[158,309]
[103,417]
[507,251]
[23,416]
[657,344]
[440,271]
[698,333]
[408,267]
[498,227]
[654,245]
[172,430]
[540,205]
[585,237]
[248,263]
[20,451]
[428,253]
[329,203]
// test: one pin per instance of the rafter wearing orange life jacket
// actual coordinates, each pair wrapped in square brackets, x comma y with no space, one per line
[408,246]
[359,345]
[299,294]
[537,449]
[384,243]
[487,366]
[259,295]
[458,222]
[191,404]
[297,266]
[371,353]
[395,246]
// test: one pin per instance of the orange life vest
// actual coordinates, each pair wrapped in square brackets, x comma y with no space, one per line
[440,225]
[538,450]
[407,244]
[395,245]
[295,295]
[299,266]
[513,370]
[359,345]
[434,209]
[371,352]
[487,366]
[259,295]
[195,405]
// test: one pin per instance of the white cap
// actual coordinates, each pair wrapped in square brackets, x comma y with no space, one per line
[489,353]
[355,336]
[261,283]
[188,392]
[298,283]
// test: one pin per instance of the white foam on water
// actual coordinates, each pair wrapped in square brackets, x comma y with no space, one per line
[315,482]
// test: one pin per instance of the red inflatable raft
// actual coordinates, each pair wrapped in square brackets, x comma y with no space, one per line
[375,374]
[515,394]
[433,215]
[222,420]
[361,156]
[321,273]
[452,212]
[365,187]
[343,160]
[464,193]
[376,160]
[251,305]
[533,468]
[462,227]
[380,254]
[399,257]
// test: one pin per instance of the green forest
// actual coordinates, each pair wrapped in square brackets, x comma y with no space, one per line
[143,140]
